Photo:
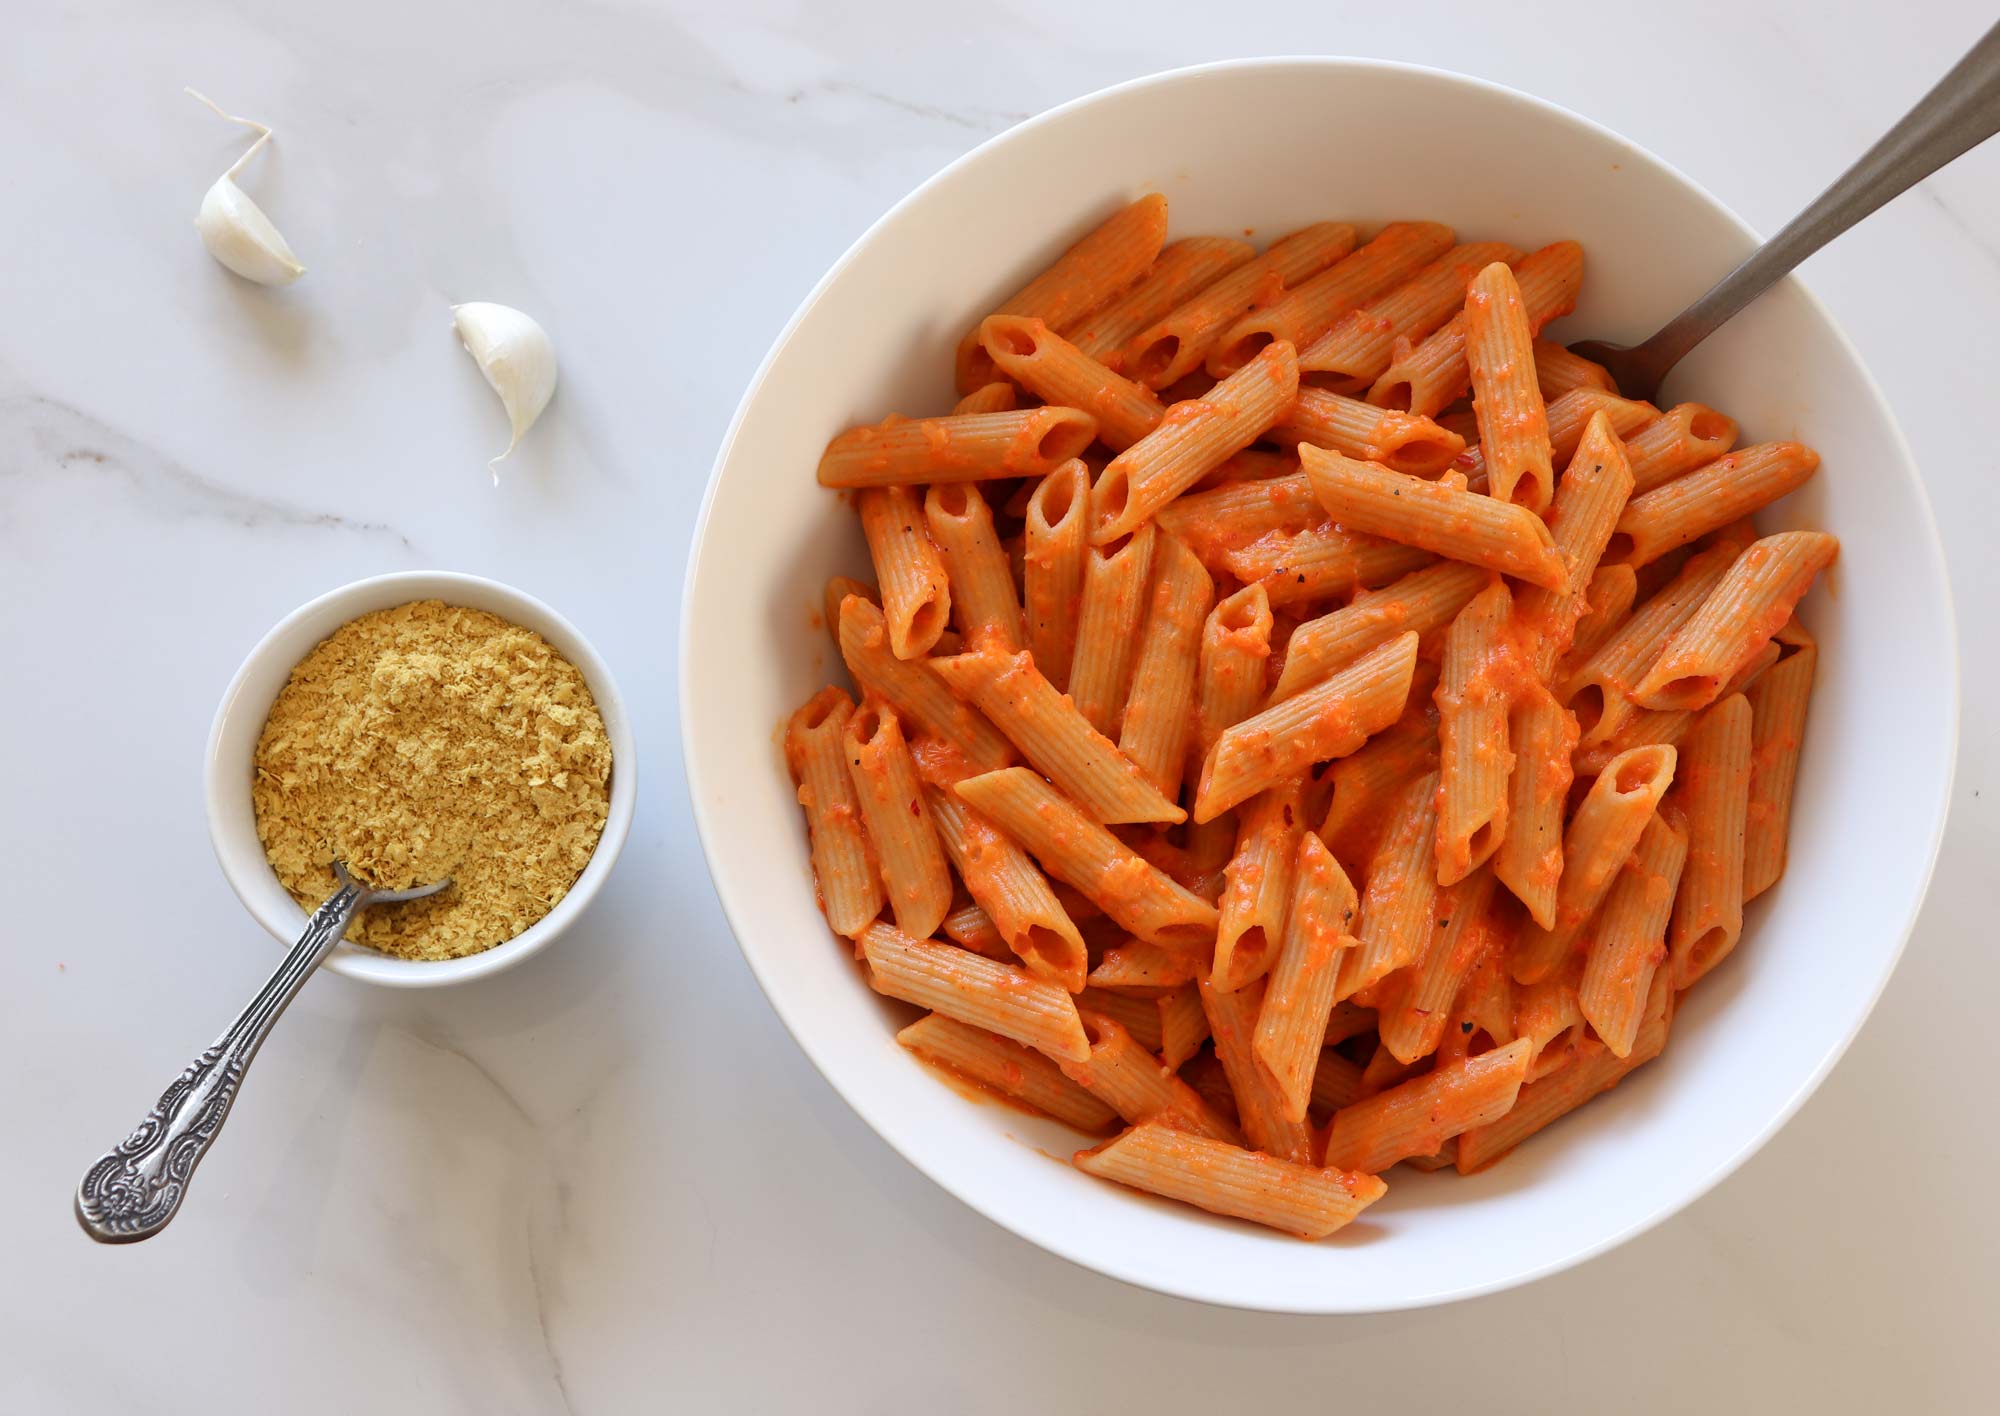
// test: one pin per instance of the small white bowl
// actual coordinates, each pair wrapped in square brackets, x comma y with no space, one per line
[232,744]
[1273,144]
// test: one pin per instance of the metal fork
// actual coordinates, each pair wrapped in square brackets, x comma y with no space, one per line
[1961,112]
[132,1191]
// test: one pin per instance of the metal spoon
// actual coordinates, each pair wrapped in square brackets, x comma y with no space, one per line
[1960,113]
[132,1191]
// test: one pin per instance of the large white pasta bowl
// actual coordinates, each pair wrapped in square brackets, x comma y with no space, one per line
[1368,142]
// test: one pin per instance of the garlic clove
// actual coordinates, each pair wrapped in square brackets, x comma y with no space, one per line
[238,234]
[235,229]
[518,359]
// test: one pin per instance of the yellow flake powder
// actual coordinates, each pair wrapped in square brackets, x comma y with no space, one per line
[432,740]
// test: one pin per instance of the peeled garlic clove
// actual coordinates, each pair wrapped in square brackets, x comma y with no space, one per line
[517,358]
[235,229]
[238,234]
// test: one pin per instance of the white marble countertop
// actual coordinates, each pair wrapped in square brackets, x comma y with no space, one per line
[608,1181]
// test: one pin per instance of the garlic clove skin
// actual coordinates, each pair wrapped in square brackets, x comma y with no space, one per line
[239,235]
[517,358]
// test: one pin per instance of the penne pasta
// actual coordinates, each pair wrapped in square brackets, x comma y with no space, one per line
[1101,266]
[1227,1180]
[1714,799]
[843,860]
[915,876]
[1437,517]
[1557,371]
[997,397]
[916,596]
[1257,888]
[1629,941]
[1326,721]
[1420,602]
[1416,1117]
[1175,345]
[1416,1000]
[983,598]
[1473,753]
[1145,969]
[1241,513]
[1708,498]
[1399,890]
[1568,417]
[1046,726]
[1513,420]
[1749,605]
[1014,894]
[1529,860]
[1309,310]
[1365,780]
[1595,487]
[1134,1083]
[1057,372]
[966,447]
[1138,1016]
[1077,850]
[1192,440]
[1158,721]
[1321,562]
[1359,347]
[1336,1081]
[1602,833]
[1402,442]
[1298,997]
[1183,1025]
[1610,597]
[947,979]
[1260,1106]
[1778,700]
[1006,1067]
[970,927]
[1229,684]
[917,694]
[1686,436]
[1185,269]
[1056,522]
[838,588]
[1113,606]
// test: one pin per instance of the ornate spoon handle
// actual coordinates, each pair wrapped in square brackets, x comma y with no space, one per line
[133,1190]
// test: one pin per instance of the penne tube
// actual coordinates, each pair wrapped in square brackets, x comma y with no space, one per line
[1321,562]
[1204,1073]
[1417,999]
[1046,726]
[1610,597]
[916,595]
[1235,648]
[1257,888]
[1686,436]
[1645,728]
[1568,417]
[1359,347]
[1513,420]
[1586,508]
[1329,720]
[1548,1018]
[1227,1180]
[1336,1082]
[1253,464]
[1602,833]
[1416,1117]
[1368,778]
[1309,310]
[1138,1016]
[1399,890]
[1599,692]
[1237,514]
[1429,377]
[1474,756]
[1260,1106]
[1113,606]
[1104,264]
[1530,858]
[918,695]
[1420,602]
[1175,345]
[1183,1025]
[843,860]
[1159,713]
[982,586]
[1185,269]
[1006,1067]
[1014,894]
[966,447]
[1401,442]
[1778,700]
[1708,498]
[1144,969]
[1193,439]
[1077,850]
[997,397]
[1629,941]
[1056,522]
[1122,1074]
[1057,372]
[970,927]
[1298,997]
[914,873]
[1714,799]
[1440,518]
[839,587]
[949,980]
[1749,605]
[1557,371]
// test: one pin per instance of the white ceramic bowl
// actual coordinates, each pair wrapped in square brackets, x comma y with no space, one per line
[232,742]
[1366,141]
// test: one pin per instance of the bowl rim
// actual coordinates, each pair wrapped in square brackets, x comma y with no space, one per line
[219,783]
[1191,1289]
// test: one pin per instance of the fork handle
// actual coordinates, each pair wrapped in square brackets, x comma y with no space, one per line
[1960,112]
[134,1189]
